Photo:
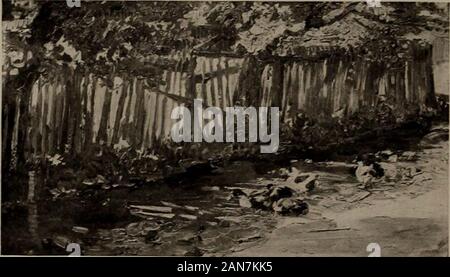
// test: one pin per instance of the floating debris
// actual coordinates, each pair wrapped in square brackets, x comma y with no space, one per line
[172,205]
[158,209]
[81,230]
[188,216]
[330,230]
[162,215]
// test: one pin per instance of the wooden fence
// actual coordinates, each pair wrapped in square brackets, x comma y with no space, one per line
[74,110]
[441,65]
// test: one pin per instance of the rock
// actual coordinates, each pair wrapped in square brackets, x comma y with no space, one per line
[412,171]
[364,174]
[80,230]
[58,243]
[258,201]
[61,241]
[238,192]
[264,198]
[390,170]
[393,159]
[306,182]
[280,192]
[244,202]
[290,206]
[292,174]
[283,172]
[266,205]
[386,153]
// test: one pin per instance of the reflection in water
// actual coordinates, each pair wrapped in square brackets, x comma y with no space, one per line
[31,186]
[45,222]
[33,217]
[33,223]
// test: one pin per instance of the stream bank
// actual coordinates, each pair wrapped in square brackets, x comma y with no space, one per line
[408,217]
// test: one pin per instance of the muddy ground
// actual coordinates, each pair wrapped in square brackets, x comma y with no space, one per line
[405,211]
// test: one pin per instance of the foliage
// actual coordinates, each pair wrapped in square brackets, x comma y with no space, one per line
[125,36]
[304,131]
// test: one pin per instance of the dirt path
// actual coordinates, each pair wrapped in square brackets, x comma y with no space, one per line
[411,221]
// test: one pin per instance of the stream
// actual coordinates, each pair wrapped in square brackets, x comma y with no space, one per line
[206,219]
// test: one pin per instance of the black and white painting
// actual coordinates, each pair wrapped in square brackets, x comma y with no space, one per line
[160,128]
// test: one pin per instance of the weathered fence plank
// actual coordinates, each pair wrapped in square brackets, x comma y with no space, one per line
[74,110]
